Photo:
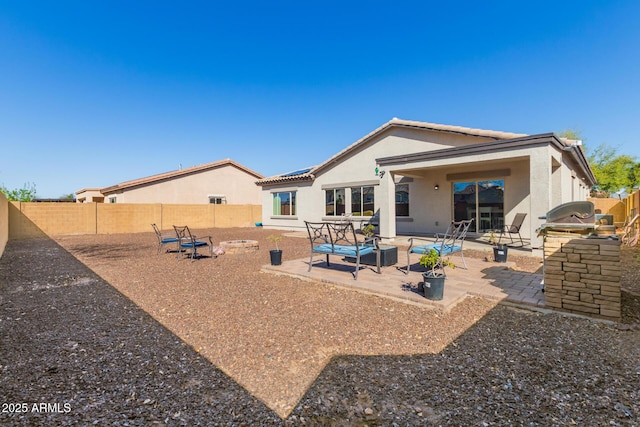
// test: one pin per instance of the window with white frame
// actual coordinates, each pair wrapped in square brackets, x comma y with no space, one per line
[335,202]
[362,201]
[284,203]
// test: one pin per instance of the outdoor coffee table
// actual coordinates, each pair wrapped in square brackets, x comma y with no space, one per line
[388,256]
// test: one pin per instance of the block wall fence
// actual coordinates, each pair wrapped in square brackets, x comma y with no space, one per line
[614,207]
[28,220]
[4,222]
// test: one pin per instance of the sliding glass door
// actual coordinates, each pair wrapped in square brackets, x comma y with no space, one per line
[481,200]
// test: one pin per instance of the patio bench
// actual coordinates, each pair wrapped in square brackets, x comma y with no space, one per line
[339,238]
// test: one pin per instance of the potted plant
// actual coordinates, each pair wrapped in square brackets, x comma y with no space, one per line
[433,284]
[275,254]
[499,249]
[369,230]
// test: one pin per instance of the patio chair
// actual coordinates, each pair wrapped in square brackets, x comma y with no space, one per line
[448,243]
[164,239]
[190,243]
[339,238]
[514,228]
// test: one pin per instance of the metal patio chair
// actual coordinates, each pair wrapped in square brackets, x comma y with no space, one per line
[164,239]
[514,228]
[448,243]
[189,242]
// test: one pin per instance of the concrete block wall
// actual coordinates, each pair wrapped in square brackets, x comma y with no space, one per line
[29,220]
[125,217]
[195,216]
[4,222]
[59,218]
[582,276]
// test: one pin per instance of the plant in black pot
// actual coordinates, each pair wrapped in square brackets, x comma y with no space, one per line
[500,250]
[434,277]
[275,254]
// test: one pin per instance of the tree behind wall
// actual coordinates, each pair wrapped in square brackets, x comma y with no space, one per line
[614,172]
[25,194]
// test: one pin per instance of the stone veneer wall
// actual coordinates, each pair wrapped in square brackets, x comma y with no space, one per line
[583,276]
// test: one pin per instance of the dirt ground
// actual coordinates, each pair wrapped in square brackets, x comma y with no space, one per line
[125,336]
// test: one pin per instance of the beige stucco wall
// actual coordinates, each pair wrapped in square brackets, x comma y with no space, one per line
[236,185]
[89,195]
[359,169]
[539,178]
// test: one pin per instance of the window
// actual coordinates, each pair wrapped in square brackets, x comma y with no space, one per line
[482,200]
[284,203]
[335,202]
[402,199]
[362,201]
[218,200]
[112,199]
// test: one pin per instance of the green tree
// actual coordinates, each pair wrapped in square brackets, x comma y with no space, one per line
[25,194]
[570,134]
[613,171]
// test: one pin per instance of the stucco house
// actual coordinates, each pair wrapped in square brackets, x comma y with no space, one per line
[221,182]
[413,178]
[88,195]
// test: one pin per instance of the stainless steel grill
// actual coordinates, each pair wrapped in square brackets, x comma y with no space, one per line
[572,217]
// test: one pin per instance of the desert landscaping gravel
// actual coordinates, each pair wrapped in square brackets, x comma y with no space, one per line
[100,330]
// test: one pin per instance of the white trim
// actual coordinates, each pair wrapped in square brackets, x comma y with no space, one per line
[368,183]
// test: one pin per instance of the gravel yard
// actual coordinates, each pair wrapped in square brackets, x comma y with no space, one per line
[106,332]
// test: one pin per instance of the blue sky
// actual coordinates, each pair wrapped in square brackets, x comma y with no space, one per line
[96,93]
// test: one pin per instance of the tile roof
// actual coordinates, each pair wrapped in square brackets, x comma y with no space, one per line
[298,175]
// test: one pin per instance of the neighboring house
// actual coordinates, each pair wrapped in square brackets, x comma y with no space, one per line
[413,178]
[88,195]
[222,182]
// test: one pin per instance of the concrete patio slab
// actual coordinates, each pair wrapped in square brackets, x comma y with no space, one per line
[485,279]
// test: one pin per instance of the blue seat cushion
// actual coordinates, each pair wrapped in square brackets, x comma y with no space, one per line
[345,250]
[169,240]
[197,244]
[446,250]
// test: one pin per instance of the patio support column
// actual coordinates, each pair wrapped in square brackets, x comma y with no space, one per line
[540,185]
[387,207]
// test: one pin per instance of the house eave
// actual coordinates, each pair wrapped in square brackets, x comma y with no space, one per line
[530,141]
